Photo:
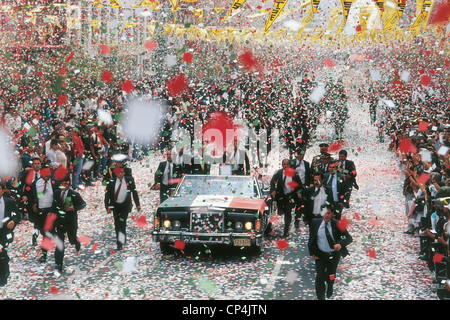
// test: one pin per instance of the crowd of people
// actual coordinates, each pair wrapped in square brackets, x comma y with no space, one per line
[68,147]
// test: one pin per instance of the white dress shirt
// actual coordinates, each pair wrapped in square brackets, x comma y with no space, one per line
[2,211]
[122,192]
[300,168]
[322,241]
[46,200]
[319,200]
[168,171]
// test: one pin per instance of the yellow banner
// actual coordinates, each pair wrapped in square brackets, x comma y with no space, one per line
[346,5]
[391,21]
[424,8]
[97,4]
[277,8]
[115,4]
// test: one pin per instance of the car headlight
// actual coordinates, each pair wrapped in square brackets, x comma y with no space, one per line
[166,224]
[238,225]
[176,224]
[248,225]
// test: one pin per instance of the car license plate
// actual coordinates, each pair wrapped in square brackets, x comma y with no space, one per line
[242,242]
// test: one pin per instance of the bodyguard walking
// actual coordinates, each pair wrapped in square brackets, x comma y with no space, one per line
[118,199]
[327,243]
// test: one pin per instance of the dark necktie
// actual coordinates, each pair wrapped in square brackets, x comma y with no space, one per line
[62,198]
[45,187]
[116,195]
[329,238]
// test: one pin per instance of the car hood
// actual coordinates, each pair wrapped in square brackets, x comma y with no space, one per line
[232,202]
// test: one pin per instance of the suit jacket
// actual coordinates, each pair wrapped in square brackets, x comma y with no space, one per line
[196,166]
[342,188]
[159,174]
[350,169]
[308,197]
[74,199]
[11,213]
[131,193]
[277,185]
[340,236]
[308,172]
[243,159]
[34,194]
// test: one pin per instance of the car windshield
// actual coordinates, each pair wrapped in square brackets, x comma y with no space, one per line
[218,185]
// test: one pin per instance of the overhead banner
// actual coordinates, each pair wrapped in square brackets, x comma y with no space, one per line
[423,11]
[391,21]
[277,8]
[346,5]
[309,17]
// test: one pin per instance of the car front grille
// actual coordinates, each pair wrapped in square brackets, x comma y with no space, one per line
[207,221]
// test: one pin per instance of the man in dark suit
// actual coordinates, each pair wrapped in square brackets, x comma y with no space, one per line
[303,169]
[238,159]
[198,164]
[327,243]
[286,188]
[348,169]
[336,182]
[9,218]
[314,197]
[66,204]
[166,177]
[118,200]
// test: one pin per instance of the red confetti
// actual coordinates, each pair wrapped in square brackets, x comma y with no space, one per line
[107,76]
[358,28]
[372,253]
[332,277]
[423,126]
[94,247]
[425,80]
[150,45]
[289,172]
[53,290]
[61,172]
[45,172]
[440,14]
[292,184]
[104,49]
[70,57]
[329,62]
[335,146]
[51,217]
[222,122]
[438,257]
[177,85]
[62,100]
[180,245]
[85,240]
[406,146]
[357,216]
[248,60]
[141,221]
[282,244]
[128,86]
[47,244]
[343,224]
[187,57]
